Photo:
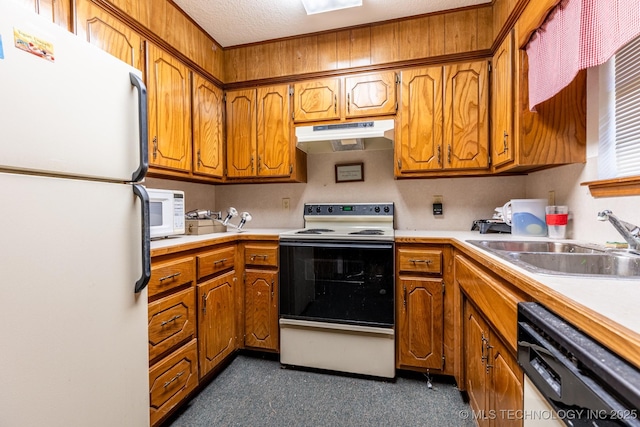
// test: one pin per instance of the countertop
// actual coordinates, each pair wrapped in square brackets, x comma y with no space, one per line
[607,308]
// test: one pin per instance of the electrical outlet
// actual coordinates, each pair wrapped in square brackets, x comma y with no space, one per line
[551,198]
[285,203]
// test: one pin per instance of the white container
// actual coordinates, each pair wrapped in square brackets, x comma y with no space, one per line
[526,216]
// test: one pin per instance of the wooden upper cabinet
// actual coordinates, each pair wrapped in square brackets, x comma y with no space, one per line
[241,133]
[362,95]
[502,137]
[274,131]
[316,100]
[208,124]
[169,106]
[466,118]
[554,134]
[419,140]
[259,133]
[370,95]
[444,120]
[101,29]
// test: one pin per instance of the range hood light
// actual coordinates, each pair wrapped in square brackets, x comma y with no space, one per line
[320,6]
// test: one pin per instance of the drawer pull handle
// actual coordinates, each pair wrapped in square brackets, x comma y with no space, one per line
[173,319]
[178,375]
[171,276]
[426,261]
[220,261]
[254,256]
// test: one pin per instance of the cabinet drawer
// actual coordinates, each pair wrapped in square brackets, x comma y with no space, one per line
[171,274]
[420,260]
[172,379]
[171,320]
[215,261]
[261,254]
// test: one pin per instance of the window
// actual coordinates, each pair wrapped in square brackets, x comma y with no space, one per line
[619,145]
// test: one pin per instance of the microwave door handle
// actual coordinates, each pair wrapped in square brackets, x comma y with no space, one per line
[143,167]
[141,192]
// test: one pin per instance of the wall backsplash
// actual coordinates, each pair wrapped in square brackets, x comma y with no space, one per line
[465,199]
[197,196]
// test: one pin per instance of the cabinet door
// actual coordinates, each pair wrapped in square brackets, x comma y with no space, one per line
[261,309]
[316,100]
[502,136]
[419,146]
[108,33]
[370,94]
[507,384]
[420,322]
[466,121]
[476,334]
[169,111]
[216,321]
[208,123]
[273,131]
[241,133]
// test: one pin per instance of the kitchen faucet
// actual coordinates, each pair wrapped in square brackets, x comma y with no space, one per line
[630,232]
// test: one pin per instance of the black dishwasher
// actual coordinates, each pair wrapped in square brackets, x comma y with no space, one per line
[585,383]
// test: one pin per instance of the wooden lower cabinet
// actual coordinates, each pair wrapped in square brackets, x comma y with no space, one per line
[261,309]
[217,336]
[172,379]
[424,320]
[494,381]
[492,377]
[261,329]
[420,322]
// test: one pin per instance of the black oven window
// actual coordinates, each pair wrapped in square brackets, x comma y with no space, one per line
[345,284]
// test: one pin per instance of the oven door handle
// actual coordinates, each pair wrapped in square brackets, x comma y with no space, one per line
[338,244]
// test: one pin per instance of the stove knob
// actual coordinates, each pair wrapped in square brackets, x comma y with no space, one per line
[309,209]
[377,209]
[386,209]
[318,209]
[330,209]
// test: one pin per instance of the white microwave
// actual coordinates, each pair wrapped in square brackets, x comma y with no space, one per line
[166,212]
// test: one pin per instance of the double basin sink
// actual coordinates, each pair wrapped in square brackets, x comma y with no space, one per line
[565,259]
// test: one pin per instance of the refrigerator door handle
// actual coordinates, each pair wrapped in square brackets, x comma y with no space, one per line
[140,173]
[141,192]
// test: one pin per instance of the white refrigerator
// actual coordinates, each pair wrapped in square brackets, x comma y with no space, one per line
[74,245]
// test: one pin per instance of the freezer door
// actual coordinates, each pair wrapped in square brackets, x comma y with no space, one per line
[74,333]
[70,111]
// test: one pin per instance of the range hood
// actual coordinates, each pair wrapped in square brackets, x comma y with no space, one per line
[370,135]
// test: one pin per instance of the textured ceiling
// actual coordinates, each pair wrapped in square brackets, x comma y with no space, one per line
[236,22]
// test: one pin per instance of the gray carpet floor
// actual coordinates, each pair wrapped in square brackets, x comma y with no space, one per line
[255,391]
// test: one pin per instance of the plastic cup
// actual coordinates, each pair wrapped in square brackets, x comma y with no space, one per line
[557,218]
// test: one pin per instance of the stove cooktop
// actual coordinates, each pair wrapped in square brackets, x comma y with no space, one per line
[346,221]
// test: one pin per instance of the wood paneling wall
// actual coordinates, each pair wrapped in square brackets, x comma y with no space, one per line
[167,21]
[434,35]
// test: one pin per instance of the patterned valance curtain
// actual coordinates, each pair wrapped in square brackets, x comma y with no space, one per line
[576,35]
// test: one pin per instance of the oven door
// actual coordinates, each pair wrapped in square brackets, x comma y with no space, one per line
[337,282]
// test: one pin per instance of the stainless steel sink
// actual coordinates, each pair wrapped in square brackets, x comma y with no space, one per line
[565,259]
[603,264]
[532,246]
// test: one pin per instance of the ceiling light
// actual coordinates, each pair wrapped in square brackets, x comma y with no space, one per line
[321,6]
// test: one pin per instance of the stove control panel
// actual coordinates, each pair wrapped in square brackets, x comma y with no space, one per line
[348,209]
